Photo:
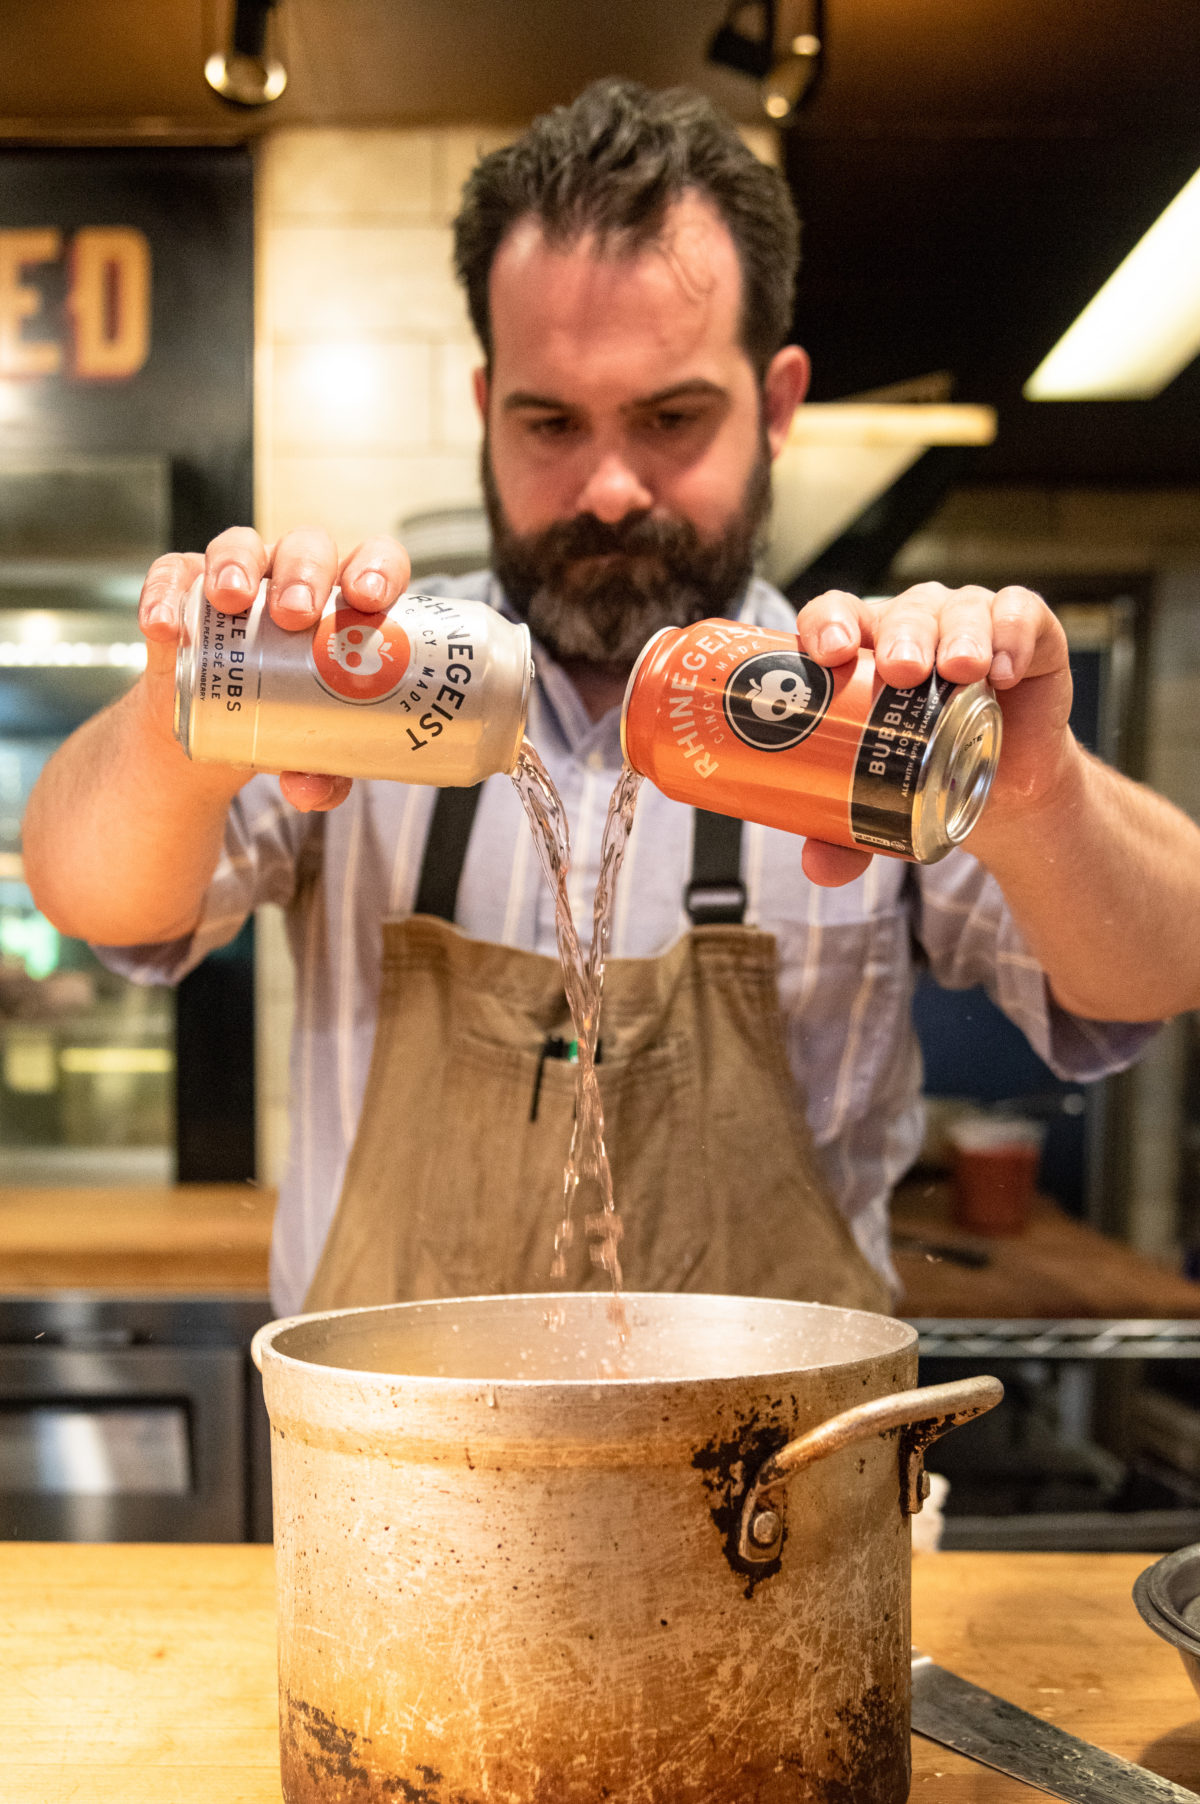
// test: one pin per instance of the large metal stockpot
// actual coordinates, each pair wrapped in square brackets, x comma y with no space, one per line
[521,1562]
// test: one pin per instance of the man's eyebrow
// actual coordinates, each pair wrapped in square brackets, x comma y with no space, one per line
[523,397]
[696,388]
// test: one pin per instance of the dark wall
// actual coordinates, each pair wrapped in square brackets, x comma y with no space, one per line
[188,404]
[191,400]
[971,251]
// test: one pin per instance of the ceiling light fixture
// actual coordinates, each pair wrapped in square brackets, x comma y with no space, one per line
[762,38]
[247,74]
[1143,327]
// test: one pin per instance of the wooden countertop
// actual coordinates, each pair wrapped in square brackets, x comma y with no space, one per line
[146,1675]
[1057,1269]
[161,1239]
[193,1238]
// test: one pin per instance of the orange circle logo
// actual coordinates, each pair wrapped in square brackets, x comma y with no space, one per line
[359,657]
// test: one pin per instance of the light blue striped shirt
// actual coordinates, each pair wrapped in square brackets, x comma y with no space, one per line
[846,959]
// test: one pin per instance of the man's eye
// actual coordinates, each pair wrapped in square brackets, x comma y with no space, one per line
[551,425]
[672,420]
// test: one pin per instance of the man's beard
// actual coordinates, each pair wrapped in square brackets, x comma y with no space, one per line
[656,572]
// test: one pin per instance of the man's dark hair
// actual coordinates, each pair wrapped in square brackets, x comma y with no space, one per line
[612,163]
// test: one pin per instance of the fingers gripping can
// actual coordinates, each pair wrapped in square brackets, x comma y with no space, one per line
[435,690]
[737,720]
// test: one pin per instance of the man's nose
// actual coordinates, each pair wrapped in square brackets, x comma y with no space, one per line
[613,489]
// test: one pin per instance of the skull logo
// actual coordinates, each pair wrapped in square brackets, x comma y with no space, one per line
[780,695]
[359,649]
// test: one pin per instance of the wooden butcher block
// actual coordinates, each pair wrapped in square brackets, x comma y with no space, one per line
[146,1675]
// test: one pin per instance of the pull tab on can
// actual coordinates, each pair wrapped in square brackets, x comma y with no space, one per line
[737,720]
[435,690]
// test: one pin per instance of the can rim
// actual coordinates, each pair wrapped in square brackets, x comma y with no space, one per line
[957,772]
[528,673]
[629,687]
[185,665]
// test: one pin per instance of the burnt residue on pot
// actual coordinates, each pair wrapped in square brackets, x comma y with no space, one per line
[728,1465]
[913,1441]
[875,1751]
[324,1763]
[311,1740]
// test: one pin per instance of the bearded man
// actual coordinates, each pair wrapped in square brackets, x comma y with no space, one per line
[629,270]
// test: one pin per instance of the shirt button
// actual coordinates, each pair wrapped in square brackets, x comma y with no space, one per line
[595,760]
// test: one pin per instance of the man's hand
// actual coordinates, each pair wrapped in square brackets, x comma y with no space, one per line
[1010,637]
[301,569]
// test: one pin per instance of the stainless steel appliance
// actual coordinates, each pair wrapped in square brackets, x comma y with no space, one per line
[132,1419]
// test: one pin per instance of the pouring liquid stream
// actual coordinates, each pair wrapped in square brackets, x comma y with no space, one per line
[583,981]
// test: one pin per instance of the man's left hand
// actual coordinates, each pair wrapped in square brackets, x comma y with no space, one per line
[1009,636]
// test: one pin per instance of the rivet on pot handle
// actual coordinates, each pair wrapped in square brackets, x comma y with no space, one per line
[923,1415]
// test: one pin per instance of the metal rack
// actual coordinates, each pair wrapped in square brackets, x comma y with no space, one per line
[1096,1367]
[1039,1339]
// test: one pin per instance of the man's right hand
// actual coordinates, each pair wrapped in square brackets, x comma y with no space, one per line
[301,569]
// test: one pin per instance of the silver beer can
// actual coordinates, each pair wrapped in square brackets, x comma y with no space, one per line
[435,690]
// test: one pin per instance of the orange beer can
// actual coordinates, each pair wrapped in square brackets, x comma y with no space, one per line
[738,720]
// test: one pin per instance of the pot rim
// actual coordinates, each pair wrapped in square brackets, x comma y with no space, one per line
[901,1341]
[1157,1607]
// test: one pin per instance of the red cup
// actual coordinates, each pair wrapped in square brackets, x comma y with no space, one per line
[994,1173]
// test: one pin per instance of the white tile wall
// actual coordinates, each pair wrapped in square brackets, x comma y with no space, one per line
[455,155]
[362,280]
[455,419]
[364,410]
[343,175]
[364,407]
[371,399]
[355,497]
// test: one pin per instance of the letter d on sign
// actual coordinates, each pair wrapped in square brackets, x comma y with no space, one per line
[109,302]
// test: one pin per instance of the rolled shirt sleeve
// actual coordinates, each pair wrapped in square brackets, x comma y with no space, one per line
[266,841]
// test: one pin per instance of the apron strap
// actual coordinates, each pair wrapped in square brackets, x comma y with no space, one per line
[446,851]
[715,894]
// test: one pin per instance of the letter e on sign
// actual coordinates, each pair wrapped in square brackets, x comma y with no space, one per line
[21,356]
[109,302]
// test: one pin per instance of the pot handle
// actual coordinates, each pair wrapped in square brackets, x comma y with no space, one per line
[920,1416]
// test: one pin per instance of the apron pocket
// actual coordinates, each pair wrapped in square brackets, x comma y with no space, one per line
[489,1206]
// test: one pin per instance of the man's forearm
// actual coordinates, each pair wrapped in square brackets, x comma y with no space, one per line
[122,832]
[1103,878]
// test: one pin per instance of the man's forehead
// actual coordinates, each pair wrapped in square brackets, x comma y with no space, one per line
[691,265]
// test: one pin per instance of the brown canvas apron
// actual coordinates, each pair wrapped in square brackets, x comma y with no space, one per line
[454,1185]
